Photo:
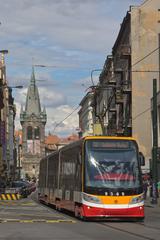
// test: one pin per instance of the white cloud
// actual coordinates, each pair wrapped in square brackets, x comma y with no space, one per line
[51,98]
[59,122]
[72,37]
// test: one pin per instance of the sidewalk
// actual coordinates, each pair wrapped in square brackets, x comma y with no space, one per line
[148,203]
[152,213]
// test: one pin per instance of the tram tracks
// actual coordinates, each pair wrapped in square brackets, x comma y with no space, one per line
[139,234]
[135,229]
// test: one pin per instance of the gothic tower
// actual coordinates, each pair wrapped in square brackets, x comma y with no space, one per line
[33,122]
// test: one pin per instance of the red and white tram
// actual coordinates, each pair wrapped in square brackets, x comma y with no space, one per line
[96,176]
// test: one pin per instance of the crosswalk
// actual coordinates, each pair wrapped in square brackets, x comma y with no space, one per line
[29,211]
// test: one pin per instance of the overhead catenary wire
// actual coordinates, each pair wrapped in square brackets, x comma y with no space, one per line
[150,53]
[74,67]
[130,71]
[112,96]
[138,115]
[148,109]
[144,71]
[65,118]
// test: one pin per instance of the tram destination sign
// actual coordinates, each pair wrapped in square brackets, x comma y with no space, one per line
[111,144]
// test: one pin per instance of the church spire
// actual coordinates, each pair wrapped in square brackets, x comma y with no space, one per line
[33,102]
[33,80]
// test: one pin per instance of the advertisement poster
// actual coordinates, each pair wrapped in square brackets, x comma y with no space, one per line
[37,147]
[30,146]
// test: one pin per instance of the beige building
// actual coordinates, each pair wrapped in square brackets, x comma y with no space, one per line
[145,43]
[125,88]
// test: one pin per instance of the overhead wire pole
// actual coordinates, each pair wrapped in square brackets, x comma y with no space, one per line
[155,144]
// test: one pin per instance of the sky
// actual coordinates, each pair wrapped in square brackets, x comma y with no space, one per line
[70,38]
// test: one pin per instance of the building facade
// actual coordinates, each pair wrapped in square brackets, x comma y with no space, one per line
[7,117]
[86,115]
[145,36]
[33,122]
[128,74]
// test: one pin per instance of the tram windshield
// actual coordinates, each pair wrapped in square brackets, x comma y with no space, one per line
[111,164]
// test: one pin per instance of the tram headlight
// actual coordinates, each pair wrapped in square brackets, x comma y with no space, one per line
[91,198]
[137,199]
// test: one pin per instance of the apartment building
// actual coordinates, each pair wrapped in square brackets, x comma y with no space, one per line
[125,88]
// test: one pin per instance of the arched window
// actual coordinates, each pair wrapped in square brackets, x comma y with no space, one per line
[29,133]
[36,133]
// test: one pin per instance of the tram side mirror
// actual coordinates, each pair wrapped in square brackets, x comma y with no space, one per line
[141,159]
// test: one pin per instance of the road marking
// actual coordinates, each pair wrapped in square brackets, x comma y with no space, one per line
[60,221]
[36,221]
[9,203]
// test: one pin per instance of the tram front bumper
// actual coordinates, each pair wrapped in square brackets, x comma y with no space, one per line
[137,211]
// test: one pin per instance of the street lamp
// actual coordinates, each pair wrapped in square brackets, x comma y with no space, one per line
[18,86]
[11,87]
[94,70]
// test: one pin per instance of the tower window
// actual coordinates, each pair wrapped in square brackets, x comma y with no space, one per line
[36,133]
[29,133]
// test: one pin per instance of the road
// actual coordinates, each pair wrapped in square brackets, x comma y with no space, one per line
[26,219]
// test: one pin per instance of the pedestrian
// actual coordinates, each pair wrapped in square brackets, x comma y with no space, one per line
[145,188]
[2,185]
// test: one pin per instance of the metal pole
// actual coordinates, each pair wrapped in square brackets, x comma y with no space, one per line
[19,163]
[155,143]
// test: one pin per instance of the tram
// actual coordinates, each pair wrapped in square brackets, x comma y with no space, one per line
[94,177]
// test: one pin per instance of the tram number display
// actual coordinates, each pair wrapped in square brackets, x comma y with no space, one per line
[111,144]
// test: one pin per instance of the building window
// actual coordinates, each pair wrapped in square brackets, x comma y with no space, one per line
[29,133]
[36,133]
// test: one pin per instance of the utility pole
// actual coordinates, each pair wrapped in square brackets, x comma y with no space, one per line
[155,144]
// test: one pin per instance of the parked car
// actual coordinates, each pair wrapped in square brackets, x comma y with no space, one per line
[21,187]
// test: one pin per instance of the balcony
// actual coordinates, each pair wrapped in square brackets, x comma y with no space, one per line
[127,87]
[119,96]
[125,51]
[112,81]
[112,109]
[120,131]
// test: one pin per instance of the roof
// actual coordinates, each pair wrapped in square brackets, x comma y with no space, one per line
[52,139]
[126,20]
[33,101]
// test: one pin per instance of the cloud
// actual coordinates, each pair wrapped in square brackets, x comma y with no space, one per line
[52,99]
[59,122]
[69,37]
